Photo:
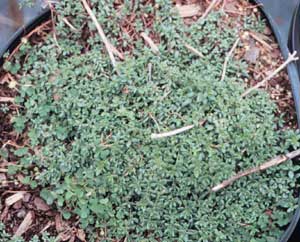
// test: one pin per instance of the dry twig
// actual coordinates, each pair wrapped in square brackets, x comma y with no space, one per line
[210,7]
[273,162]
[193,50]
[150,42]
[230,53]
[260,40]
[34,31]
[171,133]
[52,10]
[66,21]
[155,121]
[107,44]
[291,58]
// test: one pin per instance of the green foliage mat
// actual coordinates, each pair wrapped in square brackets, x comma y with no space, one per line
[90,129]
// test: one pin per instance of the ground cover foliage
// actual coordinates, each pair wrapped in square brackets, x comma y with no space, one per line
[5,237]
[90,126]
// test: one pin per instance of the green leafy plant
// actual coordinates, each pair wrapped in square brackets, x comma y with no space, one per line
[91,129]
[5,237]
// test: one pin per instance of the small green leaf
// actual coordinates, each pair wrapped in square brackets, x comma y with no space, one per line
[21,152]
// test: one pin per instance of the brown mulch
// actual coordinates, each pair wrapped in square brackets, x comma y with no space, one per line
[29,214]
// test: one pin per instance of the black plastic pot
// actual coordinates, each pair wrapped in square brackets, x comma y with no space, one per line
[283,17]
[15,21]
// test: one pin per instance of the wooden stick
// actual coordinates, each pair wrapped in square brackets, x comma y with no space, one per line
[101,32]
[116,52]
[260,40]
[230,53]
[150,42]
[66,21]
[155,121]
[210,7]
[171,133]
[193,50]
[291,58]
[273,162]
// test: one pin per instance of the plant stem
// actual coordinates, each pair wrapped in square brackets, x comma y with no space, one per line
[273,162]
[171,133]
[230,53]
[107,44]
[291,58]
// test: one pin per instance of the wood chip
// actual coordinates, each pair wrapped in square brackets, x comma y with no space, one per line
[7,99]
[17,205]
[4,214]
[27,197]
[65,235]
[186,11]
[47,226]
[2,177]
[25,225]
[59,224]
[81,235]
[40,204]
[14,198]
[3,170]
